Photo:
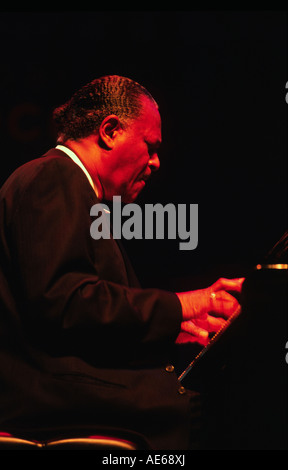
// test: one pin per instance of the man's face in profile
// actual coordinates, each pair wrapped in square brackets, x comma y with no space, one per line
[134,156]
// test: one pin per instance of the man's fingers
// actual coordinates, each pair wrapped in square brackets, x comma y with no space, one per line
[233,285]
[222,303]
[210,323]
[198,330]
[195,330]
[215,299]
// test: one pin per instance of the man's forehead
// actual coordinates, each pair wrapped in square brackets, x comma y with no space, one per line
[150,119]
[149,107]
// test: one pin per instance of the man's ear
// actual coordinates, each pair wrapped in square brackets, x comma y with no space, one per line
[109,129]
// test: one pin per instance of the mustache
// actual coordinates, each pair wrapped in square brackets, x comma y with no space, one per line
[145,176]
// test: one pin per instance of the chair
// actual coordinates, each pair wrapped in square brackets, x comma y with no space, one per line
[89,442]
[10,442]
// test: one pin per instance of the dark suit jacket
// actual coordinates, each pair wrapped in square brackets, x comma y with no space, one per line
[81,344]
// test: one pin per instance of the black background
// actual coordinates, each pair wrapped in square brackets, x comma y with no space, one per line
[219,78]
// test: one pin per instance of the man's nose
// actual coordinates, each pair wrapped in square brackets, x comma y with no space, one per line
[154,162]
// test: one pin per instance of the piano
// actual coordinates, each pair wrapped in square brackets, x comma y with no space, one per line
[242,373]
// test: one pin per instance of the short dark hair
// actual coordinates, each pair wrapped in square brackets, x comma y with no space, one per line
[83,113]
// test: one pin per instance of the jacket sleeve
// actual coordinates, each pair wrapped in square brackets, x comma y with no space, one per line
[70,288]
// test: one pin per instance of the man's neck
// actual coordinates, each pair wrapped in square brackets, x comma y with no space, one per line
[83,151]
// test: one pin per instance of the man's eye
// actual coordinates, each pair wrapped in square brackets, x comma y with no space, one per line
[151,148]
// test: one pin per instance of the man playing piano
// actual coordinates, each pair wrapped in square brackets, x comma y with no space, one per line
[82,344]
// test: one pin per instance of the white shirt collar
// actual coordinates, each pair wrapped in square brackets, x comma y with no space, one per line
[78,162]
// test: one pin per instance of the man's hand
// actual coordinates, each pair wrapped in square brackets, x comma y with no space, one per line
[206,310]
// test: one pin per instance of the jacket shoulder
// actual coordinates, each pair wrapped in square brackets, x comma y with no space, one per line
[54,165]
